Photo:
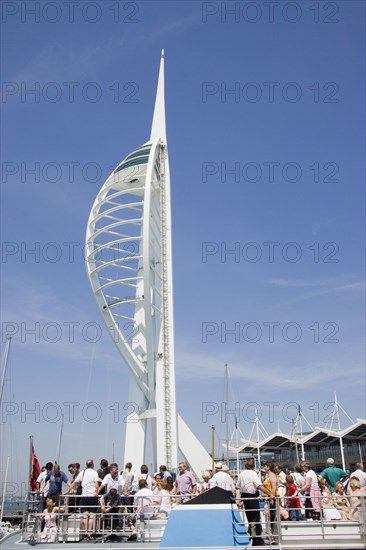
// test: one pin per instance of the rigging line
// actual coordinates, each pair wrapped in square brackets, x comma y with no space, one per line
[87,393]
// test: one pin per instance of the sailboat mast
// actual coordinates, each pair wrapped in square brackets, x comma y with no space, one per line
[8,341]
[226,413]
[58,453]
[4,489]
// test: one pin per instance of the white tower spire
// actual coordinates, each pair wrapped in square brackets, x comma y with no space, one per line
[129,263]
[158,128]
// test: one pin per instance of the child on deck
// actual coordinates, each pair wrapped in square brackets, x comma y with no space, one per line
[49,532]
[293,501]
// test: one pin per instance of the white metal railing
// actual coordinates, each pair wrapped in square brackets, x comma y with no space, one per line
[275,527]
[72,524]
[146,524]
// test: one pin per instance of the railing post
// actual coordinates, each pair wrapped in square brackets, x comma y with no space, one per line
[142,527]
[321,516]
[278,519]
[363,520]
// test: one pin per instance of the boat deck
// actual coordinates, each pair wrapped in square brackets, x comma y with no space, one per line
[200,525]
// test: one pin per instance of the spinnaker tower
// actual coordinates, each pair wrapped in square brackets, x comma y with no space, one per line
[129,263]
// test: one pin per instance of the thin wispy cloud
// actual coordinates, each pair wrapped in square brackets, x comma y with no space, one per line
[201,366]
[57,62]
[176,26]
[322,287]
[336,283]
[300,283]
[36,318]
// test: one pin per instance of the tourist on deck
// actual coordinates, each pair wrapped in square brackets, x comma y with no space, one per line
[110,506]
[297,474]
[330,511]
[75,470]
[128,478]
[155,482]
[249,485]
[171,490]
[222,479]
[170,485]
[340,500]
[88,479]
[293,501]
[162,498]
[145,475]
[281,479]
[205,485]
[355,495]
[360,474]
[312,492]
[73,499]
[49,517]
[100,473]
[143,500]
[299,481]
[185,483]
[42,485]
[332,474]
[105,467]
[164,472]
[113,480]
[271,484]
[41,477]
[55,478]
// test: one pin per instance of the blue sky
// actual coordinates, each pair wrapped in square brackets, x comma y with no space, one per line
[265,123]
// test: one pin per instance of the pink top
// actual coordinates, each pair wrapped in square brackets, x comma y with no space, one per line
[185,483]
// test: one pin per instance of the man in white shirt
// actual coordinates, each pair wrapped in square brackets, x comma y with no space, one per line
[42,485]
[249,485]
[222,479]
[113,480]
[89,499]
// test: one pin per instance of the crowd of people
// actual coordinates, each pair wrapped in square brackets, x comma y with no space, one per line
[334,494]
[113,495]
[296,494]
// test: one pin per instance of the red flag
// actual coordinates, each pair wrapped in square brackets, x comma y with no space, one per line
[36,470]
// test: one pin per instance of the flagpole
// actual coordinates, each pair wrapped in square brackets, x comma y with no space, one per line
[30,462]
[213,447]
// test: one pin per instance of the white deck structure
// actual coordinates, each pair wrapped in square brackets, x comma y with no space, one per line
[129,263]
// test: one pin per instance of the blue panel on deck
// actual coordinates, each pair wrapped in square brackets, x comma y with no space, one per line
[204,527]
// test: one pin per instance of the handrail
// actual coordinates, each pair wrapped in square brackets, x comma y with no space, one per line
[147,524]
[283,532]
